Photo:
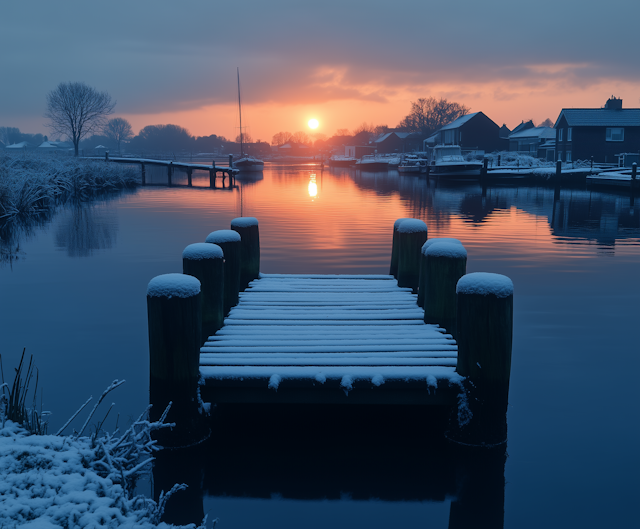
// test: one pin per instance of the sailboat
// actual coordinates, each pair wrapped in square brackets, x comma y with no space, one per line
[246,163]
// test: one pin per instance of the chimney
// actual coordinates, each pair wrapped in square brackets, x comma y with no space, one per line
[613,103]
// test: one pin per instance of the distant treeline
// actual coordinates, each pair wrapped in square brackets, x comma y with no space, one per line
[173,139]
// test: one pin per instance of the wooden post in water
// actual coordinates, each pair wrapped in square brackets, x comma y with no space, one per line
[485,330]
[212,177]
[205,262]
[446,263]
[174,317]
[230,161]
[189,171]
[144,175]
[412,234]
[423,264]
[634,172]
[498,160]
[229,241]
[169,172]
[106,156]
[393,270]
[558,172]
[247,227]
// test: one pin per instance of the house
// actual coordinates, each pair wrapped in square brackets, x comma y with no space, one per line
[358,151]
[530,141]
[473,132]
[22,146]
[524,125]
[598,133]
[392,142]
[293,149]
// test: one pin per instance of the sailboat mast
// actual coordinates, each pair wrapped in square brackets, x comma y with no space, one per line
[240,113]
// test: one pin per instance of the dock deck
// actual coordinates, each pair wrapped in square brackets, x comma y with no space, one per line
[329,339]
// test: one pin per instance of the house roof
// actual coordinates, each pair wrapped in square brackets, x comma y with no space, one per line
[600,117]
[535,132]
[21,145]
[525,125]
[401,135]
[460,121]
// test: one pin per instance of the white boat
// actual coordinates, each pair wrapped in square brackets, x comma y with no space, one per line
[407,167]
[338,160]
[371,162]
[447,161]
[246,163]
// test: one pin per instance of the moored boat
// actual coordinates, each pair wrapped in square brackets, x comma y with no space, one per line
[341,161]
[447,161]
[372,163]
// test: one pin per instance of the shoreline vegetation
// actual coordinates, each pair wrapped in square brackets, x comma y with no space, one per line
[33,186]
[73,480]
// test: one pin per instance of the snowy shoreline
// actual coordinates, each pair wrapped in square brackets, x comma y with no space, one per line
[53,481]
[31,184]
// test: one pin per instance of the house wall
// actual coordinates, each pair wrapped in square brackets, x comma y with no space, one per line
[391,144]
[591,141]
[481,133]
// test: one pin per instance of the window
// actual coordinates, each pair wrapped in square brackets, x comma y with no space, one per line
[449,137]
[569,135]
[568,159]
[615,134]
[560,134]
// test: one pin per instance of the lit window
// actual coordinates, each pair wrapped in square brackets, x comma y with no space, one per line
[560,134]
[569,135]
[568,155]
[615,134]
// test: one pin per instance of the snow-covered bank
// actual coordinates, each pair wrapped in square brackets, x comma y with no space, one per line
[32,184]
[54,481]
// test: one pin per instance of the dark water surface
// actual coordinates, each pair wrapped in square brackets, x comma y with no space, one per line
[75,298]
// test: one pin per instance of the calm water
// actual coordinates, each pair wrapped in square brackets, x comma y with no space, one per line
[75,298]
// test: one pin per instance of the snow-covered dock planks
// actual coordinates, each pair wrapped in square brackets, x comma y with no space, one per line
[329,339]
[622,178]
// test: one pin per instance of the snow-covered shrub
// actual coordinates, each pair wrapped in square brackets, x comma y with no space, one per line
[32,184]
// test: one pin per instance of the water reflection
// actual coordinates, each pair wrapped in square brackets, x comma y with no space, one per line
[83,229]
[313,186]
[329,459]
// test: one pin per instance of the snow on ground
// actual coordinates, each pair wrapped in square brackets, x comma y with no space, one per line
[52,481]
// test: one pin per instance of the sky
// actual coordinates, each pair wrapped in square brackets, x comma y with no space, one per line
[340,62]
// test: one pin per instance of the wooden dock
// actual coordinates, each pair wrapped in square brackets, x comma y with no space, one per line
[329,339]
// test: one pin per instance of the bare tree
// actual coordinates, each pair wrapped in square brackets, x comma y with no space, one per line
[342,132]
[10,135]
[281,138]
[76,110]
[301,137]
[381,129]
[429,115]
[364,127]
[246,138]
[118,130]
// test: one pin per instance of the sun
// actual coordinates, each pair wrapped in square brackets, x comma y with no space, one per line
[313,123]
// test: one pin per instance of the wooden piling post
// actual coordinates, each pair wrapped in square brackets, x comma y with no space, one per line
[634,172]
[174,318]
[558,172]
[169,172]
[393,270]
[485,330]
[212,176]
[446,263]
[229,241]
[423,264]
[144,174]
[189,181]
[412,234]
[205,262]
[230,161]
[106,156]
[247,227]
[498,160]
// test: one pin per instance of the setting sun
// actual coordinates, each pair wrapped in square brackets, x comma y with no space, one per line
[313,123]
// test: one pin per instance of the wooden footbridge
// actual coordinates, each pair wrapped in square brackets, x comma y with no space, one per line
[329,339]
[333,339]
[170,166]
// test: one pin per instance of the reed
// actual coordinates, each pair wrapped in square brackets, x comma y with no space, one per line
[32,184]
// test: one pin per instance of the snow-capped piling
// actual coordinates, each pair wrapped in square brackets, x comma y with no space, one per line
[445,264]
[412,234]
[247,227]
[205,262]
[169,173]
[423,264]
[393,270]
[485,329]
[229,241]
[174,318]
